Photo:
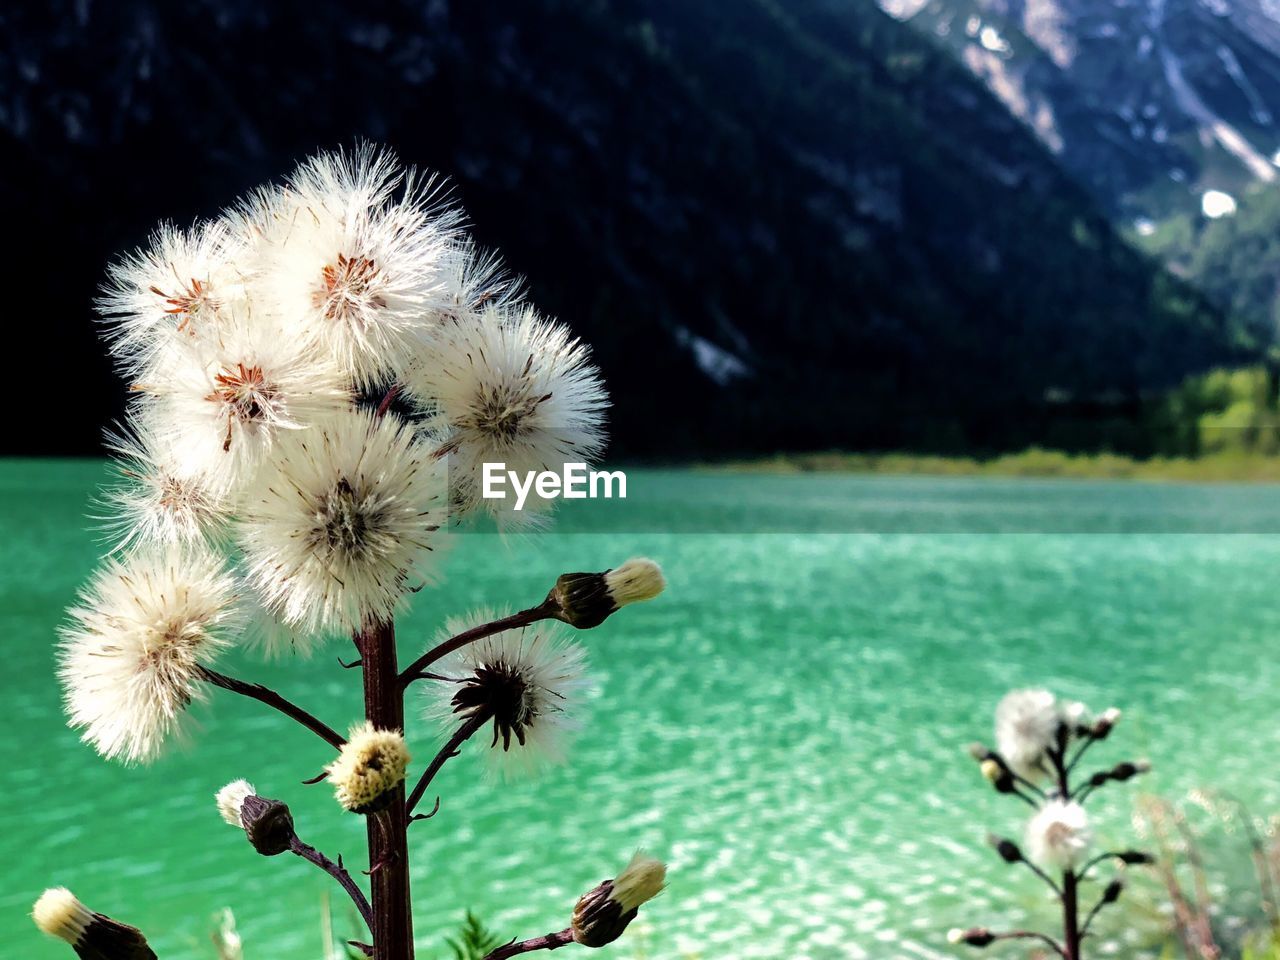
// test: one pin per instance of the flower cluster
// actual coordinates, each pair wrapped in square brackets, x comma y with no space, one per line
[264,350]
[320,376]
[1039,742]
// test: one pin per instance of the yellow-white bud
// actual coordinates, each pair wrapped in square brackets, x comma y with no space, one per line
[641,881]
[59,914]
[991,770]
[371,764]
[231,798]
[603,913]
[93,935]
[637,579]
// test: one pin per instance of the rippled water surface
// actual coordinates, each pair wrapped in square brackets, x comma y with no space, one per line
[786,725]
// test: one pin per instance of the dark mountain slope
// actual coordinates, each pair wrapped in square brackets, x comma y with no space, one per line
[779,226]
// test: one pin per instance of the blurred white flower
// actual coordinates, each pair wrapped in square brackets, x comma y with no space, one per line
[1027,724]
[527,680]
[503,386]
[349,253]
[218,404]
[173,288]
[342,521]
[1058,836]
[129,658]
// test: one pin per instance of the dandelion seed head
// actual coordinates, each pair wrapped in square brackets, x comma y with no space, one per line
[342,522]
[352,252]
[173,289]
[129,657]
[1058,836]
[156,500]
[1027,723]
[219,405]
[528,681]
[506,386]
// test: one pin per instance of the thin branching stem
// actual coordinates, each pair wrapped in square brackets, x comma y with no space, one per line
[338,872]
[1084,871]
[418,668]
[1029,935]
[1089,741]
[1053,885]
[1088,920]
[256,691]
[450,749]
[549,941]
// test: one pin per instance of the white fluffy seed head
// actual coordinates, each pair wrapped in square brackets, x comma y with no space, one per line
[503,385]
[1058,836]
[129,657]
[170,291]
[59,914]
[157,501]
[352,252]
[342,521]
[1027,723]
[528,681]
[638,579]
[369,766]
[642,880]
[231,798]
[220,404]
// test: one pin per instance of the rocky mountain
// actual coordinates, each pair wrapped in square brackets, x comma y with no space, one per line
[782,226]
[1150,103]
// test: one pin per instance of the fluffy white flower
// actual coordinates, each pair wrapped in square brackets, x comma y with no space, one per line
[172,289]
[341,522]
[503,386]
[1027,724]
[527,680]
[370,765]
[157,501]
[219,404]
[350,254]
[1058,836]
[231,798]
[130,656]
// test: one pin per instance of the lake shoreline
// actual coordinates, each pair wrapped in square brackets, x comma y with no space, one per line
[1031,463]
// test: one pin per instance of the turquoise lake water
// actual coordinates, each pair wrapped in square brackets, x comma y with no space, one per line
[786,725]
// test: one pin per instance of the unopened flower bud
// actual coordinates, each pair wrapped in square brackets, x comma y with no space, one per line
[1008,850]
[586,600]
[602,914]
[1127,771]
[1136,858]
[1113,890]
[369,767]
[997,775]
[973,937]
[267,823]
[93,936]
[1103,725]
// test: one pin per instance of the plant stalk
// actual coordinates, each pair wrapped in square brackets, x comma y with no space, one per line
[1071,915]
[388,846]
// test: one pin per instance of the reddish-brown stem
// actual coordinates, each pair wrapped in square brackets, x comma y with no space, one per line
[418,668]
[388,847]
[338,872]
[387,399]
[550,941]
[460,736]
[257,691]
